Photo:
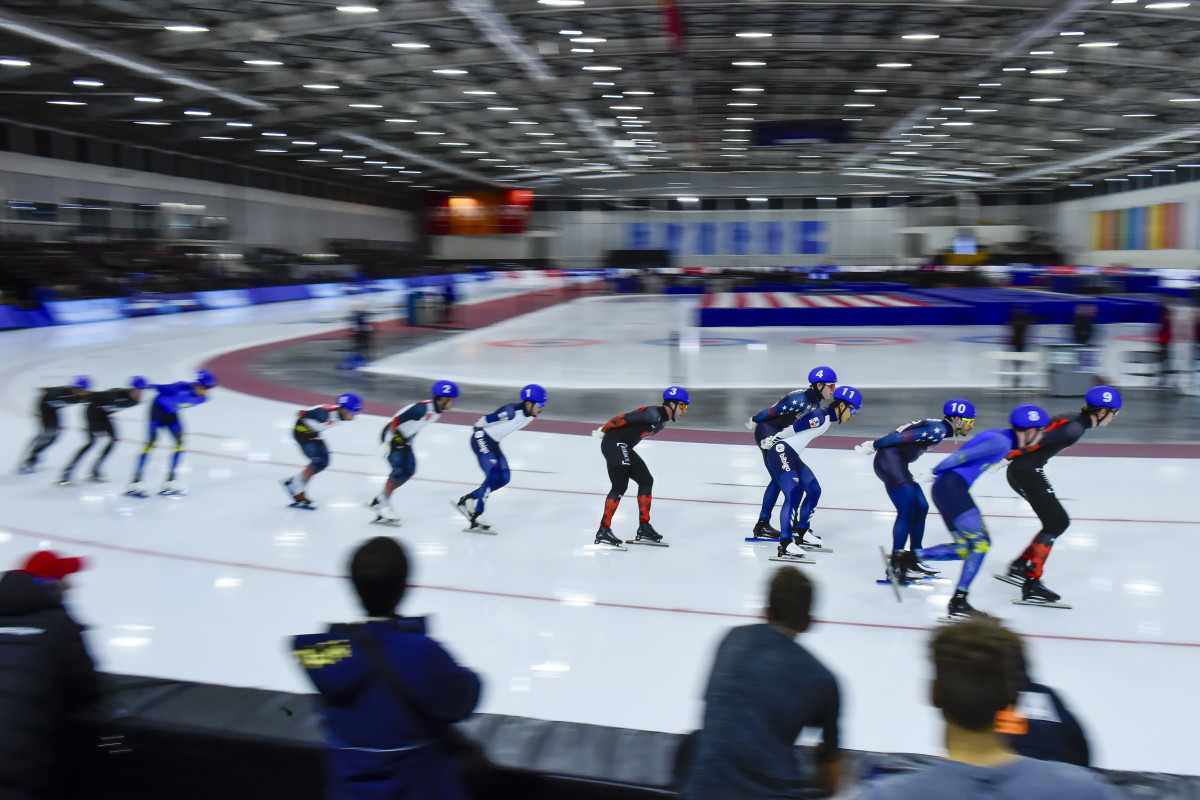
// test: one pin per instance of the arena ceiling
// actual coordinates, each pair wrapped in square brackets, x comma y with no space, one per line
[579,97]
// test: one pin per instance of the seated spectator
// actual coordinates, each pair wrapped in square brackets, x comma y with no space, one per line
[46,678]
[1041,725]
[388,690]
[765,688]
[976,676]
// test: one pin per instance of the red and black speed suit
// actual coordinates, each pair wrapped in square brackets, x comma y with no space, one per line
[1026,475]
[621,434]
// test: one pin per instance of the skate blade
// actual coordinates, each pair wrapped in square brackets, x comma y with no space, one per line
[305,506]
[138,495]
[1009,580]
[760,539]
[891,577]
[64,483]
[478,529]
[1037,603]
[165,493]
[646,541]
[391,523]
[793,559]
[97,479]
[815,548]
[601,546]
[886,582]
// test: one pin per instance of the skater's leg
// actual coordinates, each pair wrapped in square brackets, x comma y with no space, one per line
[151,435]
[812,496]
[404,466]
[46,434]
[617,456]
[1055,521]
[79,454]
[645,483]
[176,430]
[976,543]
[916,529]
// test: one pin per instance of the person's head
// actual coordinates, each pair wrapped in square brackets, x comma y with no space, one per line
[822,380]
[1028,423]
[349,405]
[960,415]
[1102,404]
[80,385]
[137,387]
[789,600]
[444,394]
[976,666]
[846,402]
[204,383]
[379,572]
[533,399]
[52,570]
[675,401]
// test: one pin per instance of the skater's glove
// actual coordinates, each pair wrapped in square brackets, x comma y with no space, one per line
[999,465]
[866,448]
[751,424]
[598,433]
[923,477]
[769,442]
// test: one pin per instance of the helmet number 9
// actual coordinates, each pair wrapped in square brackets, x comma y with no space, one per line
[1107,397]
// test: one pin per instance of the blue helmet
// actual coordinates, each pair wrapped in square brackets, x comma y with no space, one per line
[445,389]
[534,394]
[138,382]
[959,408]
[822,375]
[81,382]
[1028,417]
[1103,397]
[848,395]
[677,393]
[350,401]
[205,378]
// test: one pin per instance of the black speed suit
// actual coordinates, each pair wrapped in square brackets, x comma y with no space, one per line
[621,435]
[99,423]
[49,403]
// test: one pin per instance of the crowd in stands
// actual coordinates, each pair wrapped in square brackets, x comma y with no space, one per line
[391,693]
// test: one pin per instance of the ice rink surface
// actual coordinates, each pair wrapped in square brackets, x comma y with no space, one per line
[209,586]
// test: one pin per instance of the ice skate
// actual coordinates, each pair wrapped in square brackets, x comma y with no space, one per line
[137,489]
[1034,593]
[763,532]
[96,477]
[647,535]
[959,609]
[298,498]
[791,551]
[65,480]
[465,505]
[478,525]
[892,570]
[27,468]
[384,515]
[916,569]
[173,489]
[809,540]
[605,538]
[1018,572]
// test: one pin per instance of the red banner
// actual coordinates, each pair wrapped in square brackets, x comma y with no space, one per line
[479,213]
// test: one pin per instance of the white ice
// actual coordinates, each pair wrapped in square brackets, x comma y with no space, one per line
[209,587]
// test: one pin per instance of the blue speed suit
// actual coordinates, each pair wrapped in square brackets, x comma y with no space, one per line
[893,454]
[164,413]
[789,475]
[771,420]
[485,444]
[952,495]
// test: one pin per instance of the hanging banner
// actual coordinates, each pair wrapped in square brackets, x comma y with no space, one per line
[479,213]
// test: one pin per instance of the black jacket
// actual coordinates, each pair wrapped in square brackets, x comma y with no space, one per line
[46,676]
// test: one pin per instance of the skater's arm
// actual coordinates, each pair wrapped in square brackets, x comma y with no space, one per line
[929,431]
[643,416]
[987,449]
[789,403]
[1059,431]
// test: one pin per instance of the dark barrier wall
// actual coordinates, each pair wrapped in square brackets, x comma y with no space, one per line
[170,740]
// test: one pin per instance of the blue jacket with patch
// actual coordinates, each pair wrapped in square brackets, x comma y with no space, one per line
[377,748]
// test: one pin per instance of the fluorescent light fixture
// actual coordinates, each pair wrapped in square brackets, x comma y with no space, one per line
[218,138]
[754,35]
[330,150]
[1045,99]
[582,50]
[66,102]
[637,92]
[321,86]
[748,89]
[858,105]
[455,144]
[920,36]
[870,91]
[262,62]
[521,122]
[503,108]
[1168,5]
[147,99]
[365,105]
[86,82]
[1013,69]
[270,150]
[194,112]
[357,9]
[1048,71]
[740,119]
[894,65]
[478,92]
[273,133]
[411,45]
[603,83]
[185,28]
[1185,100]
[149,122]
[450,71]
[399,120]
[957,124]
[626,108]
[589,40]
[991,84]
[1071,33]
[304,143]
[13,62]
[981,110]
[1098,44]
[430,133]
[238,125]
[742,105]
[601,68]
[561,2]
[749,63]
[1139,115]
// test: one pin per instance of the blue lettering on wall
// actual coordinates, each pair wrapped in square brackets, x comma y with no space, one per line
[638,235]
[738,236]
[772,237]
[673,233]
[706,238]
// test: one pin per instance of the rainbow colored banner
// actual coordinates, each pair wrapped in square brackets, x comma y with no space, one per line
[1154,227]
